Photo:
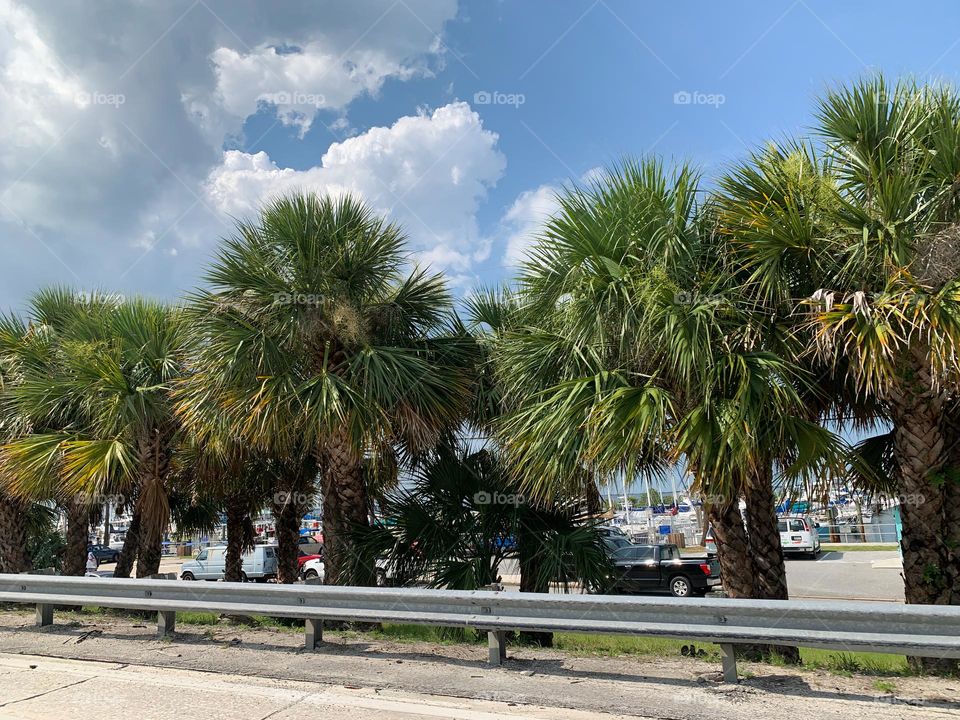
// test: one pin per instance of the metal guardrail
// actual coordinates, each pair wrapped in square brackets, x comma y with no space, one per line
[918,630]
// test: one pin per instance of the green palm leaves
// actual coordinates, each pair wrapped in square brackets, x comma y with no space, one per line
[315,336]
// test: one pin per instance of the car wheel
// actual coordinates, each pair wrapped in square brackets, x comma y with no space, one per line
[680,586]
[310,574]
[187,576]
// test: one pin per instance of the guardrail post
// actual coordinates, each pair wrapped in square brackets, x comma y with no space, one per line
[496,646]
[166,619]
[44,615]
[166,623]
[496,639]
[729,662]
[313,633]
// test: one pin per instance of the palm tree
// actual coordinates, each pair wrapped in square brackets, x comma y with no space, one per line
[860,248]
[317,336]
[101,410]
[14,557]
[638,353]
[462,515]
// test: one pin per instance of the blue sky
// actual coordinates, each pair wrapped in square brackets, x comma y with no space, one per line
[460,119]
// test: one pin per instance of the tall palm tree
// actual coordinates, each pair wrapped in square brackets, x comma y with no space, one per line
[318,336]
[637,353]
[860,248]
[100,405]
[14,557]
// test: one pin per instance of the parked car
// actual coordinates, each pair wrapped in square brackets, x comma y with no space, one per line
[710,542]
[615,542]
[303,558]
[104,553]
[798,534]
[310,544]
[312,569]
[259,564]
[658,568]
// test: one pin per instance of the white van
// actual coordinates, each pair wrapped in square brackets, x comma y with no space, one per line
[798,534]
[259,564]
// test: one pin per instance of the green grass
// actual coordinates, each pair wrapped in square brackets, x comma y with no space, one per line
[614,645]
[884,686]
[197,618]
[848,663]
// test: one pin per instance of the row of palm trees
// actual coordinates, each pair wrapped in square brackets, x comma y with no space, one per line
[658,319]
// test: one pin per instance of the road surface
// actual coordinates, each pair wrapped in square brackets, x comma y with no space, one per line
[42,688]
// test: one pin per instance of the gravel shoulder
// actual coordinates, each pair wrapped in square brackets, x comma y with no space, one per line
[660,687]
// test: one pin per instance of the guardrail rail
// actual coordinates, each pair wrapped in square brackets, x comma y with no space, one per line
[916,630]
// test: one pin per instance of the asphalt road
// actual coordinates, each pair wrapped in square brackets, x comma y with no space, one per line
[853,575]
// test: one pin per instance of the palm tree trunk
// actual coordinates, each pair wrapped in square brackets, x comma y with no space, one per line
[14,557]
[593,499]
[917,414]
[733,548]
[239,537]
[530,581]
[154,464]
[345,508]
[763,536]
[78,532]
[286,516]
[951,499]
[131,547]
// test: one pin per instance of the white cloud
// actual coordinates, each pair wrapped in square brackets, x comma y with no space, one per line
[301,83]
[112,121]
[428,171]
[524,219]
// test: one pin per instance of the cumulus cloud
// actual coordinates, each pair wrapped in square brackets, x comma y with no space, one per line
[300,83]
[524,219]
[429,171]
[113,114]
